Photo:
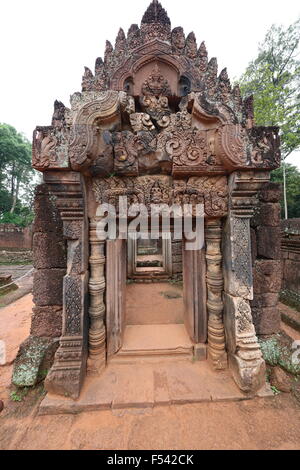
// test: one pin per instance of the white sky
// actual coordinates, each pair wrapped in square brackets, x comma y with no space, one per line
[45,45]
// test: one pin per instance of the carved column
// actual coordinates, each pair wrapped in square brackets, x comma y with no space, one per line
[97,333]
[214,279]
[245,358]
[69,368]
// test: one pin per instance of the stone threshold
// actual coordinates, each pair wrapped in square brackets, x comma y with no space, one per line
[151,385]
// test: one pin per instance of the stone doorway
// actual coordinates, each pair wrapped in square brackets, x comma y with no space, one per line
[157,125]
[156,300]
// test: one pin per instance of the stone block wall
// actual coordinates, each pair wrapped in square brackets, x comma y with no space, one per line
[290,251]
[49,260]
[12,236]
[36,354]
[266,260]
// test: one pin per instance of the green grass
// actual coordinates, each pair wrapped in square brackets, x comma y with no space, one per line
[19,395]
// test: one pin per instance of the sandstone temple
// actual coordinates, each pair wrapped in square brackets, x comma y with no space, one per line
[156,122]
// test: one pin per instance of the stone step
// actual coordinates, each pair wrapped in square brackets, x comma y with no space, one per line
[155,343]
[150,385]
[132,357]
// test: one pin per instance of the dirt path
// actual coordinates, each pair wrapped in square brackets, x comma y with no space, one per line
[14,329]
[259,424]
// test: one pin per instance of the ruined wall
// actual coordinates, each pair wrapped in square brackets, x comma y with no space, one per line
[266,259]
[36,353]
[290,251]
[12,236]
[50,266]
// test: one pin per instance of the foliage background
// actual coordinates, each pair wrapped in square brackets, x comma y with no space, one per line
[17,178]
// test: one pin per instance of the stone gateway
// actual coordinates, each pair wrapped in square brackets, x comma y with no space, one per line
[154,122]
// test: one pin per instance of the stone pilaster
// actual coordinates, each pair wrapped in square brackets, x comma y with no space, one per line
[97,333]
[214,280]
[245,358]
[69,368]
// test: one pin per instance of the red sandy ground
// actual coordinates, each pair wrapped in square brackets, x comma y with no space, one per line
[258,424]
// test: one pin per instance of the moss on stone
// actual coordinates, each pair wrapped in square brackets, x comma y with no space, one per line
[29,360]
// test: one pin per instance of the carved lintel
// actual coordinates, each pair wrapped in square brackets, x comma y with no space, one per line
[212,192]
[216,333]
[97,333]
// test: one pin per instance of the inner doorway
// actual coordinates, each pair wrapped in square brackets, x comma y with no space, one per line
[160,307]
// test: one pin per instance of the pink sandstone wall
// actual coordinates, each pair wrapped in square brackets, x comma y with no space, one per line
[12,236]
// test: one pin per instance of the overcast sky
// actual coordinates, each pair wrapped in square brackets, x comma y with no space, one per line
[45,45]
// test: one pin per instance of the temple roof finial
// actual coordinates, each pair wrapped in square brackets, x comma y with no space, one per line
[155,13]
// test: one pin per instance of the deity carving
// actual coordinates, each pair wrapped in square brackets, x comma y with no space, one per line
[156,84]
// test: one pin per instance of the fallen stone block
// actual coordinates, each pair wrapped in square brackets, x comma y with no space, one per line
[34,354]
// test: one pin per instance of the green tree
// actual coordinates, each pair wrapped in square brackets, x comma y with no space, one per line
[16,174]
[274,80]
[293,185]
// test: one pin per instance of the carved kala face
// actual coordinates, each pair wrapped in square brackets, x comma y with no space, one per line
[156,84]
[156,194]
[121,155]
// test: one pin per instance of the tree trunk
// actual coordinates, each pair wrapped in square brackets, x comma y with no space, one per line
[15,195]
[286,215]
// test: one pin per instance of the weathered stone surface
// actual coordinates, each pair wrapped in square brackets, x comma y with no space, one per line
[48,287]
[49,251]
[269,242]
[291,275]
[267,276]
[294,256]
[177,258]
[290,316]
[177,248]
[281,380]
[264,300]
[266,320]
[29,360]
[284,254]
[271,192]
[249,378]
[47,321]
[177,268]
[66,382]
[237,264]
[253,245]
[267,214]
[47,218]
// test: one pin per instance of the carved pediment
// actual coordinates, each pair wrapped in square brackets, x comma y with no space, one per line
[165,108]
